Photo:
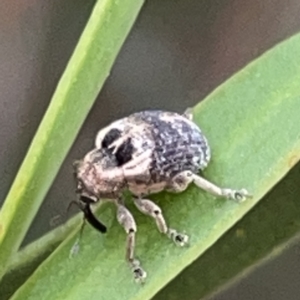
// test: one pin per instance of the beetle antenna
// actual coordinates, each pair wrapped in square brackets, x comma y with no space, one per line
[88,216]
[92,220]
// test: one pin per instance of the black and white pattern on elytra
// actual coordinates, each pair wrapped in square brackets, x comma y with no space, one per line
[179,145]
[110,137]
[124,152]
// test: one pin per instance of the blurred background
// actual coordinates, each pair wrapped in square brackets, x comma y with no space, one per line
[177,53]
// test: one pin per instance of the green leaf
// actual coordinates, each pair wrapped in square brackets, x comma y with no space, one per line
[252,123]
[260,236]
[85,74]
[263,232]
[31,256]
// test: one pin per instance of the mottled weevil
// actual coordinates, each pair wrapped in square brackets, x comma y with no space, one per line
[145,153]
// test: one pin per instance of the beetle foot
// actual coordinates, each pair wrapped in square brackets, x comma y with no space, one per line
[138,272]
[236,195]
[179,239]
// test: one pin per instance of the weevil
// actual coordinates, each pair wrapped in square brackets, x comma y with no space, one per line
[145,153]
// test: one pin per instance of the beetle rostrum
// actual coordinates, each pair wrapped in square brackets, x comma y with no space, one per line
[145,153]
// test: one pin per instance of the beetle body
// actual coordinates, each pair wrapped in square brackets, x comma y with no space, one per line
[145,153]
[142,153]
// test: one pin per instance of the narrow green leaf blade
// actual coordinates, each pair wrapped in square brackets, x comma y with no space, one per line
[252,123]
[86,72]
[30,257]
[263,234]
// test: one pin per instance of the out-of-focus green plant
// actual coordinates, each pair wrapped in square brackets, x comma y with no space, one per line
[252,123]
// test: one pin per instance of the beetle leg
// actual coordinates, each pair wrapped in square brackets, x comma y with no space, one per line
[181,181]
[151,209]
[236,195]
[126,219]
[188,113]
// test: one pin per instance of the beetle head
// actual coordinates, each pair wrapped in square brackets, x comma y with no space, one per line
[98,175]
